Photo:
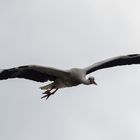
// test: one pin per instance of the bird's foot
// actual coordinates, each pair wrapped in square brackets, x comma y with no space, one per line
[48,93]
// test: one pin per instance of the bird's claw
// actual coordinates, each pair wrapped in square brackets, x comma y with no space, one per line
[47,94]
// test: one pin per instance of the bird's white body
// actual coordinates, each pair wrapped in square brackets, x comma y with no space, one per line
[76,77]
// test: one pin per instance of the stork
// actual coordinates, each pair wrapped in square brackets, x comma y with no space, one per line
[65,78]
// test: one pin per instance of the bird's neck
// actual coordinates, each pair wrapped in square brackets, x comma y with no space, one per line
[86,82]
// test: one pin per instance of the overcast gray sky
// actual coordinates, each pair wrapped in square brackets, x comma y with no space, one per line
[65,34]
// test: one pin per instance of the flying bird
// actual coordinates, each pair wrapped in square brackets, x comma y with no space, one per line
[65,78]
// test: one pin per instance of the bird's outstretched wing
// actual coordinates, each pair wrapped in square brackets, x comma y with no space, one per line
[32,72]
[115,61]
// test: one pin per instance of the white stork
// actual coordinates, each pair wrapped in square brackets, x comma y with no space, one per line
[65,78]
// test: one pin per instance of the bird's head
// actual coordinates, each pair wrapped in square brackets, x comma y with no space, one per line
[92,80]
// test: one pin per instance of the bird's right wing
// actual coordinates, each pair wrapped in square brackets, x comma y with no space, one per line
[33,72]
[115,61]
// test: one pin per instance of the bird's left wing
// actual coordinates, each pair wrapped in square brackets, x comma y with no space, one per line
[33,72]
[115,61]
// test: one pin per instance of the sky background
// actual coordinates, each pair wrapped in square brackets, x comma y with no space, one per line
[65,34]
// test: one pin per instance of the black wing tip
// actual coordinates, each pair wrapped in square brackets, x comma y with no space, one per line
[6,73]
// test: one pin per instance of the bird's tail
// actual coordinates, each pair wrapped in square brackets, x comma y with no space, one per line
[46,87]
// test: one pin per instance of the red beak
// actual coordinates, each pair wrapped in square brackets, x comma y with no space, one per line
[94,83]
